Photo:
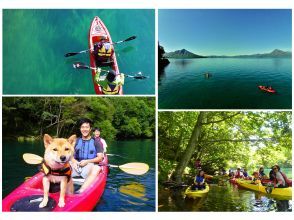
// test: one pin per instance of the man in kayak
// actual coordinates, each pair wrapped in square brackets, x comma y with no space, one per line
[103,51]
[112,83]
[99,139]
[87,155]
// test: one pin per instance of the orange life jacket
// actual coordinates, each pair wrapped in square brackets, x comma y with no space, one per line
[64,171]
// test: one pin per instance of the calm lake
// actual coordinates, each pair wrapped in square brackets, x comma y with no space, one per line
[35,41]
[15,170]
[227,198]
[233,83]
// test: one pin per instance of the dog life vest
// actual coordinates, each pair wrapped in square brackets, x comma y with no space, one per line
[85,149]
[64,171]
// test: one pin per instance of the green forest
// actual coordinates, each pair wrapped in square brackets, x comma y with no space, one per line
[222,140]
[117,117]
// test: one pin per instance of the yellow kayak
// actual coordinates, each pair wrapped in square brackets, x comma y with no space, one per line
[196,193]
[285,192]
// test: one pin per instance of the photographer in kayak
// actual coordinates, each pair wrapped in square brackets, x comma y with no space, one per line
[112,83]
[103,52]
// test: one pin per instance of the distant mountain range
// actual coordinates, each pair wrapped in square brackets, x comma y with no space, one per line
[181,54]
[185,54]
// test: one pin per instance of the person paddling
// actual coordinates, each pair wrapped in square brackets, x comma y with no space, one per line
[111,84]
[103,52]
[199,181]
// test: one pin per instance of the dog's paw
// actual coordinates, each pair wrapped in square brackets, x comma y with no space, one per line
[43,203]
[61,203]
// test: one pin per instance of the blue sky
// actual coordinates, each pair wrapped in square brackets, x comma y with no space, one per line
[225,31]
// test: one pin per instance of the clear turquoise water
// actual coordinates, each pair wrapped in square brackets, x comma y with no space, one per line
[233,84]
[113,199]
[35,41]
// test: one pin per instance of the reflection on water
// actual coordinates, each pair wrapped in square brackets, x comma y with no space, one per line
[234,84]
[221,198]
[183,62]
[136,190]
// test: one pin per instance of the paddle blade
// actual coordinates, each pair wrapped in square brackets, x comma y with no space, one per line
[70,54]
[130,38]
[32,158]
[135,168]
[79,65]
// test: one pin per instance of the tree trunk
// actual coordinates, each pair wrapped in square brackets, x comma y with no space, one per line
[58,119]
[193,142]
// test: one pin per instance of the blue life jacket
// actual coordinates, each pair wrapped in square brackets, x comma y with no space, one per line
[199,179]
[85,149]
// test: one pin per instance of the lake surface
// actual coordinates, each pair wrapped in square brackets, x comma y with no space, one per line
[227,198]
[232,85]
[35,41]
[140,193]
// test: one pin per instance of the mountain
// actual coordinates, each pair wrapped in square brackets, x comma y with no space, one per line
[278,53]
[181,54]
[274,54]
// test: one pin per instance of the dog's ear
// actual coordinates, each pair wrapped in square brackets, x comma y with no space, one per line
[72,139]
[47,140]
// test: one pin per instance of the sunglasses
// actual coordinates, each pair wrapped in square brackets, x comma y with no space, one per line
[275,168]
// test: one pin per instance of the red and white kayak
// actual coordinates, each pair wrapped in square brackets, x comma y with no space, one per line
[266,89]
[96,32]
[29,195]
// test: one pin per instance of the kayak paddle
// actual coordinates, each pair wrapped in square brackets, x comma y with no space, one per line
[79,65]
[128,39]
[130,168]
[32,158]
[84,51]
[133,168]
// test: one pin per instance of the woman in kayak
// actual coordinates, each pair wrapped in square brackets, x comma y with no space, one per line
[280,180]
[103,52]
[112,83]
[98,139]
[199,181]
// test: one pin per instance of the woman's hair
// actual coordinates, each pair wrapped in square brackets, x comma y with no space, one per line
[111,76]
[96,129]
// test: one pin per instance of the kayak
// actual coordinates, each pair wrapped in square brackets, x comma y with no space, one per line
[266,89]
[96,32]
[29,195]
[283,192]
[196,193]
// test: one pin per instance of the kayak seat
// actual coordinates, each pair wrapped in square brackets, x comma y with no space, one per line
[78,182]
[31,204]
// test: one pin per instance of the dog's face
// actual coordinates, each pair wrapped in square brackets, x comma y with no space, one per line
[58,151]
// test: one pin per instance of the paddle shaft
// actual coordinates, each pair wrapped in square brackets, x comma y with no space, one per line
[84,51]
[79,65]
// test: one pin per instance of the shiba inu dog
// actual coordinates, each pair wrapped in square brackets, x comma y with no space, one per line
[56,167]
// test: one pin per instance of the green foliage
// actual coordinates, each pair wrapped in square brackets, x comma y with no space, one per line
[118,117]
[227,139]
